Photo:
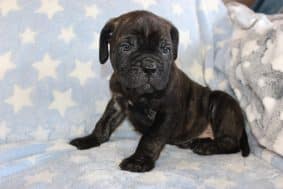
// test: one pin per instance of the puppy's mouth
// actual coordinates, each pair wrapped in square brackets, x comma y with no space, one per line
[148,88]
[138,81]
[143,88]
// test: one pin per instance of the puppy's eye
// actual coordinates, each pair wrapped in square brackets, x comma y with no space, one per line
[125,46]
[165,50]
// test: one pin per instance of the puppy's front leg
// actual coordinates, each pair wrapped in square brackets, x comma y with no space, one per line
[111,119]
[150,145]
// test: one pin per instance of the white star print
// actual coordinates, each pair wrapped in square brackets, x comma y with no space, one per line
[45,176]
[269,103]
[246,64]
[20,98]
[5,64]
[4,130]
[28,36]
[209,6]
[40,134]
[209,74]
[62,101]
[185,38]
[145,3]
[67,34]
[82,71]
[50,8]
[277,63]
[46,67]
[95,43]
[177,9]
[92,11]
[8,6]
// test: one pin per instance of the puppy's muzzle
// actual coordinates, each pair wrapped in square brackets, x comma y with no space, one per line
[149,65]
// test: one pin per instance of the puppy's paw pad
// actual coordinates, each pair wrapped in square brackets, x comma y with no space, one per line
[85,142]
[135,164]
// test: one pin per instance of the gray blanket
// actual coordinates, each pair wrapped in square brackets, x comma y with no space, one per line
[255,73]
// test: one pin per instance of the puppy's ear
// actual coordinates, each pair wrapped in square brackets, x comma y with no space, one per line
[104,40]
[175,39]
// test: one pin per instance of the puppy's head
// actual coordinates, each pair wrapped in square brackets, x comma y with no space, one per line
[143,48]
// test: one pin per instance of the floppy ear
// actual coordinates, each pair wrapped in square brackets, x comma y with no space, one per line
[175,39]
[105,36]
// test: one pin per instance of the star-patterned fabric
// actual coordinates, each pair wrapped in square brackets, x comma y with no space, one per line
[54,89]
[51,81]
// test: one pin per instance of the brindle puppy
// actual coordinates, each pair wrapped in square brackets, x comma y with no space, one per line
[161,102]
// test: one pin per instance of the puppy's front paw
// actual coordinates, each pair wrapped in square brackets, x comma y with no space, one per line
[137,164]
[85,142]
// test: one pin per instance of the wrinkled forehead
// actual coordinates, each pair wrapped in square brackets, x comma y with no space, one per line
[145,27]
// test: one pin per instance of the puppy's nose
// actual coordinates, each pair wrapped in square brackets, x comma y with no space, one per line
[148,65]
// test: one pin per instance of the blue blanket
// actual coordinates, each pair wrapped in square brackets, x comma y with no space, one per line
[52,85]
[54,89]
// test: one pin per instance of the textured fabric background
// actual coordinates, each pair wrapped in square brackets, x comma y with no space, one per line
[52,89]
[255,72]
[251,62]
[56,165]
[52,85]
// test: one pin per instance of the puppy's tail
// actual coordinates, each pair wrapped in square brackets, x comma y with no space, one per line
[244,144]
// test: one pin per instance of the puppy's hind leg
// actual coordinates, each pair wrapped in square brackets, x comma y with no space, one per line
[208,146]
[227,123]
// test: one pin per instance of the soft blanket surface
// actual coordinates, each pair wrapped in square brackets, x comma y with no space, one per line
[255,73]
[54,89]
[57,165]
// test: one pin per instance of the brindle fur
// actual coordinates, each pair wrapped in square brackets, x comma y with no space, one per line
[163,104]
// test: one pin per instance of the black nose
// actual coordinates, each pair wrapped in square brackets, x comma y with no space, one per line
[148,65]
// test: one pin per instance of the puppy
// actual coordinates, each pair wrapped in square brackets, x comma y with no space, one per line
[160,101]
